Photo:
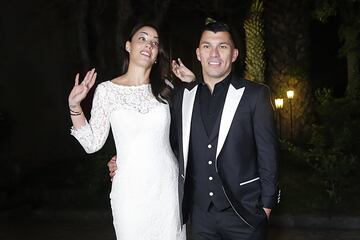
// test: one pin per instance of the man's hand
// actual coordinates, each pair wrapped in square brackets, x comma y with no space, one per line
[112,166]
[267,211]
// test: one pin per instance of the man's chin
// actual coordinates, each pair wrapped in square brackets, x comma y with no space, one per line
[217,74]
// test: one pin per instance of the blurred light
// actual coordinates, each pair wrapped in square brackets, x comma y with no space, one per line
[279,103]
[290,94]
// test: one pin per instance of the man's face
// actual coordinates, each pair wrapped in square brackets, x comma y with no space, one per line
[216,52]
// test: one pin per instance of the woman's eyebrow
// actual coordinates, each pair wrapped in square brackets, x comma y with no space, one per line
[148,34]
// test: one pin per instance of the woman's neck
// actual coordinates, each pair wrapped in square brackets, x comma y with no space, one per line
[136,75]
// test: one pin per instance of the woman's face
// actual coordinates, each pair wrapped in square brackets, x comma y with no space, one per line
[144,47]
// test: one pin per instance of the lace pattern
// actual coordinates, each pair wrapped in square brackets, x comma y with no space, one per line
[110,97]
[137,98]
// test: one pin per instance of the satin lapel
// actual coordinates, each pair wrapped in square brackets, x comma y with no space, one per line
[187,110]
[232,101]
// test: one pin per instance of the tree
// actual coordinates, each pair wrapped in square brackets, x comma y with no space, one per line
[287,45]
[254,42]
[349,12]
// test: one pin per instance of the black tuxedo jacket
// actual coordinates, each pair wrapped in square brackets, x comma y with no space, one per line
[247,149]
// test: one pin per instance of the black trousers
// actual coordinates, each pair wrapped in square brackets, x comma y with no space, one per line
[223,225]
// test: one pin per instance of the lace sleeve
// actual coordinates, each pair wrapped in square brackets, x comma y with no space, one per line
[92,135]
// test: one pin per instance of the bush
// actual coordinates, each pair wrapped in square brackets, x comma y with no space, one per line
[332,146]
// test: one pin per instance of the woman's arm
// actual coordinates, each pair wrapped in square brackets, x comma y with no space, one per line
[77,94]
[92,135]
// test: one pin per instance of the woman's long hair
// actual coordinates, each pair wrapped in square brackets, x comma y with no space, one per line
[160,69]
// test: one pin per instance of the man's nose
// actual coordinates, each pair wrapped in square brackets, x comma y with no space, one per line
[214,52]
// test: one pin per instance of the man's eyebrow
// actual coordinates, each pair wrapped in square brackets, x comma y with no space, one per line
[206,42]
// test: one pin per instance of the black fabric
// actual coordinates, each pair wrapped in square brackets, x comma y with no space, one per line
[211,104]
[202,162]
[249,151]
[213,224]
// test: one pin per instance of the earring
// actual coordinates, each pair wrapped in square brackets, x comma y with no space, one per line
[155,62]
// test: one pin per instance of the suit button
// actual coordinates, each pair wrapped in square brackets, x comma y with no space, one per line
[210,178]
[209,146]
[211,194]
[209,162]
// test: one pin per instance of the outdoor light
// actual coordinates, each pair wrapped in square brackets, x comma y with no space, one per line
[290,95]
[279,103]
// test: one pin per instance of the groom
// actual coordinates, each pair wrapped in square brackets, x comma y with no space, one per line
[224,135]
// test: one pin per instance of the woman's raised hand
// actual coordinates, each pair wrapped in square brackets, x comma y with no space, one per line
[181,71]
[79,91]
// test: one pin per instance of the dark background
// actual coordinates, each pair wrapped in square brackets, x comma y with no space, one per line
[41,50]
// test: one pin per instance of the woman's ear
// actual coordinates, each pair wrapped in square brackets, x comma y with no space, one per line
[127,46]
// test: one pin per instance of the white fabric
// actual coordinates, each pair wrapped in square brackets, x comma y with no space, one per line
[144,194]
[187,110]
[232,100]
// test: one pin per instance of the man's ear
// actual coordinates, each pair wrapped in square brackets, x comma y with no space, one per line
[127,46]
[198,54]
[235,54]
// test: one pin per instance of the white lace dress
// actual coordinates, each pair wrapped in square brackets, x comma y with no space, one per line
[144,194]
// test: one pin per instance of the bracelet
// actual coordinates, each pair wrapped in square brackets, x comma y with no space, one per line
[74,113]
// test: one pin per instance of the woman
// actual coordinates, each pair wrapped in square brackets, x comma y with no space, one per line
[144,196]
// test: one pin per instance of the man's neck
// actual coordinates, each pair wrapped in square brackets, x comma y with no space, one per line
[211,82]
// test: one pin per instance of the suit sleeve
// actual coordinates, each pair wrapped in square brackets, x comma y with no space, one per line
[173,124]
[267,147]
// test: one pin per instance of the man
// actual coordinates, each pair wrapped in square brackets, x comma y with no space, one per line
[224,135]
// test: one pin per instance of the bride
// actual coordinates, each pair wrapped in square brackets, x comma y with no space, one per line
[144,193]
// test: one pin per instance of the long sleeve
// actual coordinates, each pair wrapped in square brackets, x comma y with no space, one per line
[267,147]
[93,134]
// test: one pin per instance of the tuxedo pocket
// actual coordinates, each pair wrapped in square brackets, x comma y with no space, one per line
[249,181]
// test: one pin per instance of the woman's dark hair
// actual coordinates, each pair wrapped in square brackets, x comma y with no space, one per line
[160,69]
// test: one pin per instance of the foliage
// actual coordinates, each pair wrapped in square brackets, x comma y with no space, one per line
[349,13]
[255,48]
[209,20]
[332,147]
[324,9]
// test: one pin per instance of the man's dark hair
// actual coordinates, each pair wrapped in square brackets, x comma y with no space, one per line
[218,27]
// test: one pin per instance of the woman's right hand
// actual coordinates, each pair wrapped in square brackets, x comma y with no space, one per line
[79,91]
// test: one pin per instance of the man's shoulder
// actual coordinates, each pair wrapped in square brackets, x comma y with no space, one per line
[251,85]
[180,87]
